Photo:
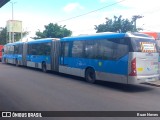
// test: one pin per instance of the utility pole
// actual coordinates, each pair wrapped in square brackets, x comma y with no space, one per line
[134,19]
[11,35]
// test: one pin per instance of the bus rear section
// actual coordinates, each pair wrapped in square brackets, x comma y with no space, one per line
[1,47]
[143,62]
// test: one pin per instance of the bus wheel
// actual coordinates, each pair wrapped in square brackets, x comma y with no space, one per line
[44,69]
[90,75]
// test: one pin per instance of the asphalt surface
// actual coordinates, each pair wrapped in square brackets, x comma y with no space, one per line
[26,89]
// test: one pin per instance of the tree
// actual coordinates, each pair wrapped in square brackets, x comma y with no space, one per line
[54,31]
[4,36]
[118,24]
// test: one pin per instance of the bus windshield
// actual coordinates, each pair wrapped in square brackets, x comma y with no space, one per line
[144,45]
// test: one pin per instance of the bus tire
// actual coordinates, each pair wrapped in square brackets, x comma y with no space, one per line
[44,69]
[90,75]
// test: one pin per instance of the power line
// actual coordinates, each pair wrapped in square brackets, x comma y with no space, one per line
[91,11]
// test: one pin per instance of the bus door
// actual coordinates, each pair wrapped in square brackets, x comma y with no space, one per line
[64,53]
[65,57]
[71,60]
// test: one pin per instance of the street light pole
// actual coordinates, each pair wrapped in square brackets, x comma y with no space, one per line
[12,9]
[134,19]
[12,33]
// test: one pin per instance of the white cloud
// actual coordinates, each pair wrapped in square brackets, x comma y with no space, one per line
[72,6]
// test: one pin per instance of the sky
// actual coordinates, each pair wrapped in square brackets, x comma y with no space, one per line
[35,14]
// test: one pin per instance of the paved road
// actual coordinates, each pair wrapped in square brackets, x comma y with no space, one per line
[25,89]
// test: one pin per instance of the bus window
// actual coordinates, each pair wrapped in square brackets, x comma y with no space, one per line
[91,49]
[144,45]
[120,51]
[106,50]
[77,49]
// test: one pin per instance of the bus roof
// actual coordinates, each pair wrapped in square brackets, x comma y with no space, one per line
[43,40]
[19,42]
[95,36]
[105,35]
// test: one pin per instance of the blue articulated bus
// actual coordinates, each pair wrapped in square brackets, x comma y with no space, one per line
[127,58]
[37,54]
